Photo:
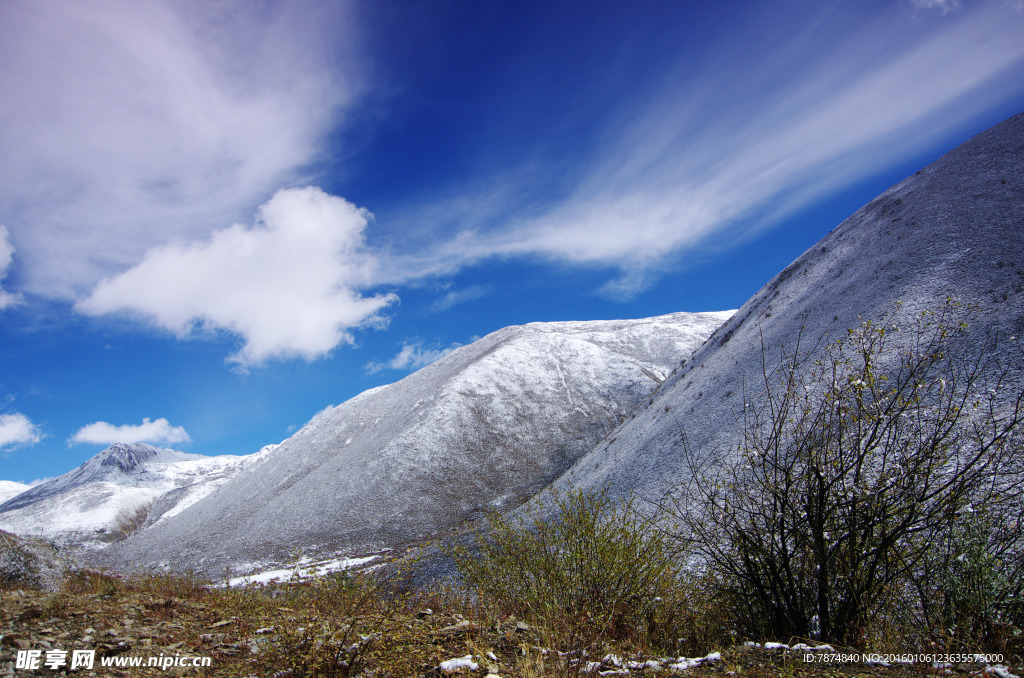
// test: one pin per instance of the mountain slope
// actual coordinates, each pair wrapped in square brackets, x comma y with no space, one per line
[953,228]
[82,506]
[485,427]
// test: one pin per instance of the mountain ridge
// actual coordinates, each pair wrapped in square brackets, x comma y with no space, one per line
[487,426]
[83,506]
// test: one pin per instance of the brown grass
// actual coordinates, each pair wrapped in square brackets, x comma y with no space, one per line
[353,626]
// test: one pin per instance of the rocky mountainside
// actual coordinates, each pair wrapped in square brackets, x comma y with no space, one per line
[485,427]
[29,562]
[82,507]
[954,228]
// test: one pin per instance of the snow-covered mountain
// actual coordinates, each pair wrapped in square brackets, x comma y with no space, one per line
[954,228]
[485,427]
[83,506]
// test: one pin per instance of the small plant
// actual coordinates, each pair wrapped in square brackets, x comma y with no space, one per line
[592,570]
[320,648]
[91,582]
[971,584]
[348,616]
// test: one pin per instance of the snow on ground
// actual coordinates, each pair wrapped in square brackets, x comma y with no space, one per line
[304,569]
[799,646]
[93,509]
[683,663]
[458,664]
[612,664]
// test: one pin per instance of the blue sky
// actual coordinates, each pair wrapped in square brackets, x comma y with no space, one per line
[218,218]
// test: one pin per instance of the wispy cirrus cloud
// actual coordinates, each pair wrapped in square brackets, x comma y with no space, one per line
[943,6]
[158,432]
[6,256]
[455,297]
[412,356]
[755,134]
[127,125]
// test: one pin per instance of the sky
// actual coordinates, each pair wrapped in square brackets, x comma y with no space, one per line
[218,218]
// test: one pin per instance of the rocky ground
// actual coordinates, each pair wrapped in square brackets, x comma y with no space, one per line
[328,629]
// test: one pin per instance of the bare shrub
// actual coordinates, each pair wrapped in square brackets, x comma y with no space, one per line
[349,616]
[868,476]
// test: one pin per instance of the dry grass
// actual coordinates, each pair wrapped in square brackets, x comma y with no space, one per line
[347,626]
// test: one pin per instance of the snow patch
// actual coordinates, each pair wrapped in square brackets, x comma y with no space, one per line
[304,570]
[453,665]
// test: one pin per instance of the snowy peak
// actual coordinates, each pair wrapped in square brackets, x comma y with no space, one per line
[82,506]
[120,462]
[126,458]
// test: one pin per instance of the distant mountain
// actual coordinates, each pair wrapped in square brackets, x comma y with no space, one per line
[10,489]
[83,506]
[485,427]
[954,228]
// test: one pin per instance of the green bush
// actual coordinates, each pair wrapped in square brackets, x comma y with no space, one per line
[970,586]
[590,569]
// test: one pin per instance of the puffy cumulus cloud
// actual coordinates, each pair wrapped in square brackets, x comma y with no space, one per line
[6,257]
[288,285]
[130,124]
[413,356]
[17,429]
[155,432]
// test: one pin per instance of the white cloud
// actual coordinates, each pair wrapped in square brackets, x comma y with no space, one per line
[6,257]
[943,6]
[155,432]
[287,285]
[456,297]
[724,151]
[16,429]
[130,124]
[413,356]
